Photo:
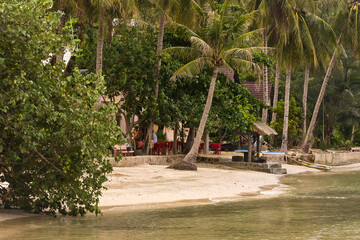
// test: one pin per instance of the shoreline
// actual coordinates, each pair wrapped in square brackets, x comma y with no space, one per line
[154,186]
[147,187]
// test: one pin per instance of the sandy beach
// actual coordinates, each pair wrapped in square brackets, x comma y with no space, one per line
[149,186]
[153,186]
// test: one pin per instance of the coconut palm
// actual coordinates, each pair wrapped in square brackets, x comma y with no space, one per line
[274,18]
[177,12]
[102,8]
[224,47]
[323,38]
[299,44]
[347,22]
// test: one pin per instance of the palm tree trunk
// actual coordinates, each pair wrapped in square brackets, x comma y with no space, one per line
[265,80]
[306,143]
[191,156]
[100,41]
[286,111]
[353,134]
[276,96]
[159,48]
[304,100]
[99,49]
[58,31]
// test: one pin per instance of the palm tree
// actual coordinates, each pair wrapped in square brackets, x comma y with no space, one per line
[299,44]
[165,9]
[103,7]
[273,18]
[348,21]
[224,47]
[322,37]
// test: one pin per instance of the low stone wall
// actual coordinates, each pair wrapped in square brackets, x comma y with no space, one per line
[341,158]
[146,159]
[260,167]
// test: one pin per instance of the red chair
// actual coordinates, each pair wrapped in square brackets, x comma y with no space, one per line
[159,148]
[170,147]
[216,147]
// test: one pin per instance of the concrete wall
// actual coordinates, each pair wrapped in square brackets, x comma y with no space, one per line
[337,158]
[147,159]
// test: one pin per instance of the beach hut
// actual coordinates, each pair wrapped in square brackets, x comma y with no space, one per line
[259,129]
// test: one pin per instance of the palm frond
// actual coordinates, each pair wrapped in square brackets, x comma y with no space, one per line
[185,53]
[202,46]
[177,27]
[245,39]
[244,53]
[227,70]
[192,68]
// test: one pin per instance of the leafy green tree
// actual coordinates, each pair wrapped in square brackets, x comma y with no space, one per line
[168,10]
[223,47]
[129,73]
[232,113]
[53,143]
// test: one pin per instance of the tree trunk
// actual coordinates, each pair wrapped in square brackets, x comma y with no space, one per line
[109,29]
[276,90]
[305,94]
[190,140]
[276,96]
[353,134]
[191,156]
[100,41]
[159,48]
[265,80]
[306,143]
[249,147]
[206,142]
[284,143]
[58,31]
[175,148]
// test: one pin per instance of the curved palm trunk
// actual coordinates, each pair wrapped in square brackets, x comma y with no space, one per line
[159,48]
[265,80]
[286,111]
[305,94]
[306,143]
[191,156]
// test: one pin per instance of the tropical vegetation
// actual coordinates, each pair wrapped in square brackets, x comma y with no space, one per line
[177,64]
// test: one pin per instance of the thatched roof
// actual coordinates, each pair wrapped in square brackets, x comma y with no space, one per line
[263,129]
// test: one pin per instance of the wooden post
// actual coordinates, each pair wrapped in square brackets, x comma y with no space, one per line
[258,145]
[249,147]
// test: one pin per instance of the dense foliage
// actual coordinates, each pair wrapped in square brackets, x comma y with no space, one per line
[53,141]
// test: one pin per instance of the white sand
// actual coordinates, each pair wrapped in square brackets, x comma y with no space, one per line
[151,185]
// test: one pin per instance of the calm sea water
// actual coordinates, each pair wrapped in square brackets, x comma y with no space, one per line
[325,206]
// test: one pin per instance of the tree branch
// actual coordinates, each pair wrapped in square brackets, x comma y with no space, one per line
[50,163]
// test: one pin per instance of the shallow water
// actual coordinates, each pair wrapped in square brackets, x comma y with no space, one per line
[325,206]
